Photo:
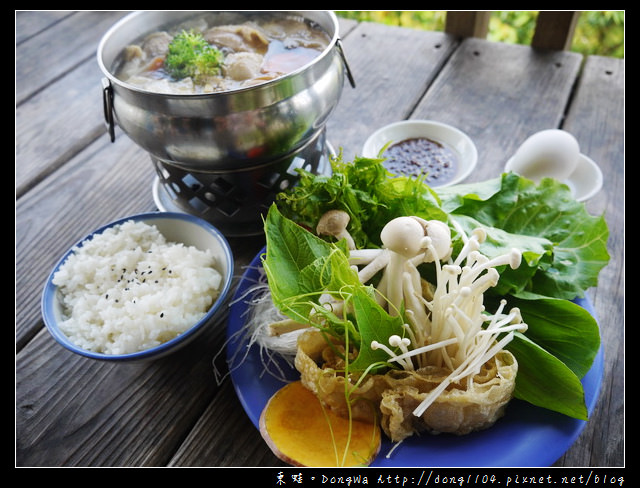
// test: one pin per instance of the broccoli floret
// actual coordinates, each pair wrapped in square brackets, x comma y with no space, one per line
[190,55]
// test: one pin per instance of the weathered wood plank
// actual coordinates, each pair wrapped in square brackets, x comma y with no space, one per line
[93,413]
[224,440]
[58,122]
[499,94]
[55,51]
[391,74]
[29,23]
[599,128]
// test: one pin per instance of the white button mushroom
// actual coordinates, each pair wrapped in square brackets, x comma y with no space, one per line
[334,223]
[440,235]
[403,235]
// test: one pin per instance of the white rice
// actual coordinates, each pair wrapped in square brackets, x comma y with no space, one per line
[128,289]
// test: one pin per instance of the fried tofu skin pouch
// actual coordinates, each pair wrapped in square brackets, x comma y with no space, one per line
[472,405]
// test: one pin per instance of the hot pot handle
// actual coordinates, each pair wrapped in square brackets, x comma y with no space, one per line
[107,104]
[346,65]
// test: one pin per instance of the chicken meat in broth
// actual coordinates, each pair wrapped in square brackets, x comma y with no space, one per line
[252,50]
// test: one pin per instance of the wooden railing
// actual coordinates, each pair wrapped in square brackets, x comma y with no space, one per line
[554,29]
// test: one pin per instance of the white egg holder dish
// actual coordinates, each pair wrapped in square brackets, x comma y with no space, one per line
[555,153]
[584,182]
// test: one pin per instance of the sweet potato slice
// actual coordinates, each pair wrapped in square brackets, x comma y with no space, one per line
[301,432]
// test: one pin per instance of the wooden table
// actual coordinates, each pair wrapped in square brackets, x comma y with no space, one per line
[70,179]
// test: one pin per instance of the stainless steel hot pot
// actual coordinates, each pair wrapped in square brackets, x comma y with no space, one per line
[228,130]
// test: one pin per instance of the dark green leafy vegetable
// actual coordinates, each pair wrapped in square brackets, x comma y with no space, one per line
[575,242]
[556,351]
[563,249]
[365,190]
[190,55]
[545,381]
[564,328]
[301,268]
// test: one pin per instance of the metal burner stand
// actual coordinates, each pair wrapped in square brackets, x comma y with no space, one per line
[236,200]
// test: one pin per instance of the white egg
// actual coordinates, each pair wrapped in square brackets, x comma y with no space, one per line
[552,153]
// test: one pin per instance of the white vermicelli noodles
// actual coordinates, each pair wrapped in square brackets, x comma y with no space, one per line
[127,289]
[276,353]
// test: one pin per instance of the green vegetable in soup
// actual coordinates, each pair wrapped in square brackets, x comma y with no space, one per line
[190,55]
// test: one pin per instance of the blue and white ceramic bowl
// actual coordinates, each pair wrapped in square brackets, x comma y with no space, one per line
[175,227]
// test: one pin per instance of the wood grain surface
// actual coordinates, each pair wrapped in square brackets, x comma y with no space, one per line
[70,179]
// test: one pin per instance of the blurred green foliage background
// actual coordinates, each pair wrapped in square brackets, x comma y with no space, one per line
[598,32]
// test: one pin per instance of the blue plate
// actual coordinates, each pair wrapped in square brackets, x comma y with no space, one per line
[527,436]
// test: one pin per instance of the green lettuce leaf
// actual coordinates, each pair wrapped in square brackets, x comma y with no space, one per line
[576,240]
[563,249]
[554,353]
[550,383]
[301,267]
[563,328]
[373,323]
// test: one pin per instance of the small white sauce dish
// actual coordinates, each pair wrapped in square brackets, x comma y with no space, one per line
[555,153]
[176,228]
[451,137]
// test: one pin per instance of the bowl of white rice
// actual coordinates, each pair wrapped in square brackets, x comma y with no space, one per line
[139,287]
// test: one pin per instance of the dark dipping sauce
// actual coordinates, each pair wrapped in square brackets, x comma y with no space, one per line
[422,157]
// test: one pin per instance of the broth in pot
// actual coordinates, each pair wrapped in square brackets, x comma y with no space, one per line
[245,52]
